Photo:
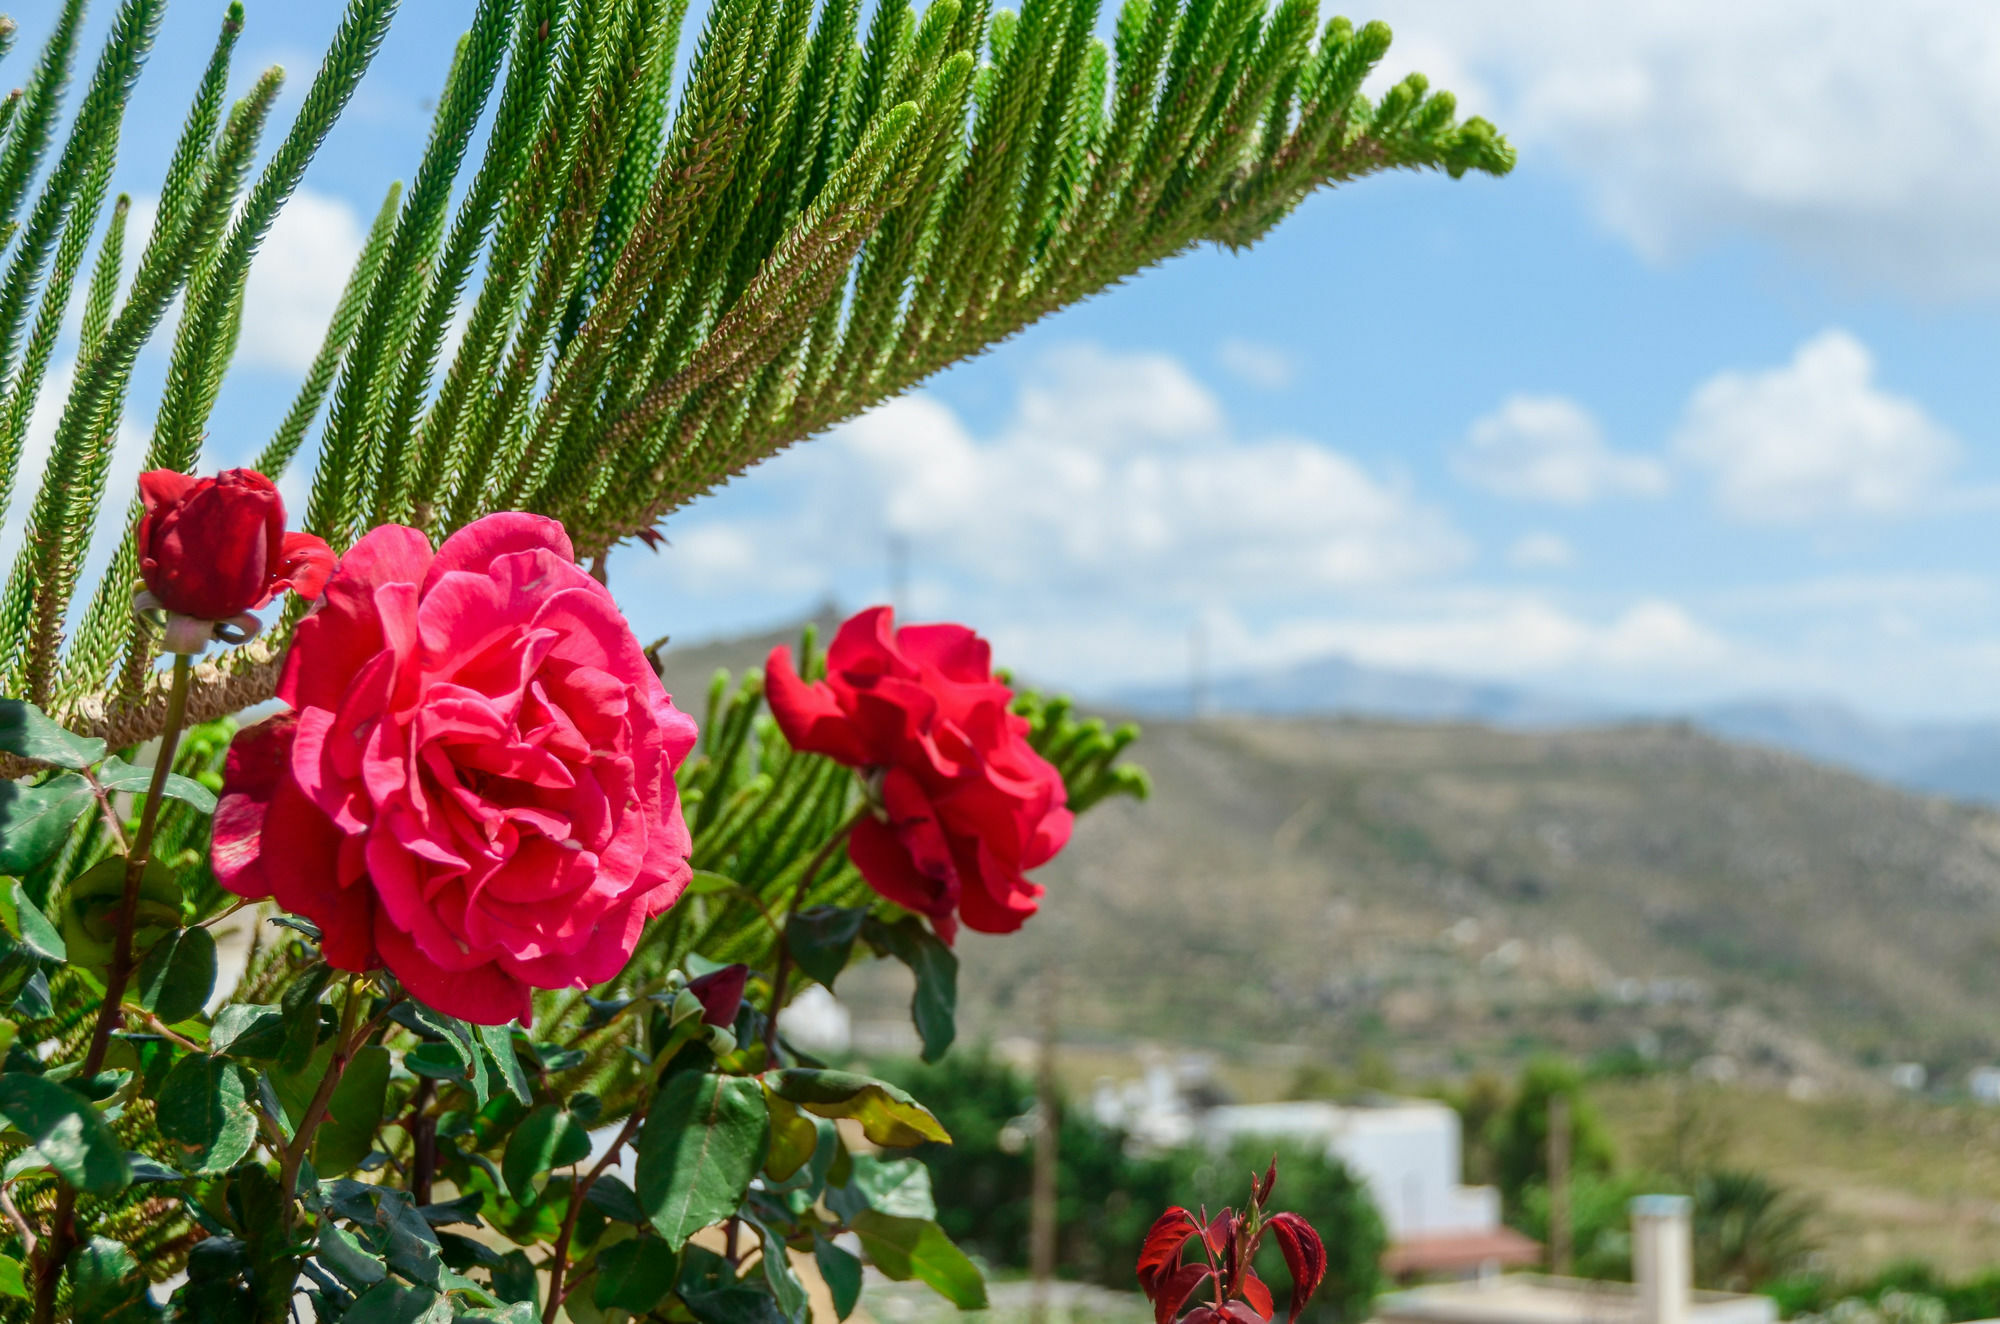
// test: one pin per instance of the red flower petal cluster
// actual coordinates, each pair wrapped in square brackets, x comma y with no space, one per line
[969,806]
[1229,1244]
[214,548]
[476,785]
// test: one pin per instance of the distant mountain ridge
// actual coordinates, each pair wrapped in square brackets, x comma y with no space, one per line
[1955,759]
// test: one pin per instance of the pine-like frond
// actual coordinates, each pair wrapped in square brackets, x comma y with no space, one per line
[669,287]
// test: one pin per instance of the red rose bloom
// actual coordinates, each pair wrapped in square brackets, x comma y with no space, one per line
[476,785]
[214,548]
[969,805]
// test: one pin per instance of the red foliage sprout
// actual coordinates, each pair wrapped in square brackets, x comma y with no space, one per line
[1228,1243]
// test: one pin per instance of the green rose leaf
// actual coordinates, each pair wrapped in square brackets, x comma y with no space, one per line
[703,1142]
[66,1131]
[464,1045]
[35,819]
[254,1031]
[204,1110]
[177,975]
[786,1289]
[353,1113]
[393,1303]
[635,1275]
[25,731]
[794,1139]
[302,1018]
[90,919]
[934,1006]
[106,1287]
[615,1200]
[342,1252]
[840,1270]
[518,1313]
[547,1138]
[906,1248]
[514,1279]
[498,1040]
[24,921]
[413,1248]
[13,1282]
[888,1116]
[900,1188]
[733,1305]
[821,939]
[118,775]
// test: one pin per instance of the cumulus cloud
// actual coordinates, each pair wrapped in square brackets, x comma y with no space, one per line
[1813,439]
[1529,637]
[1864,137]
[1548,448]
[1520,638]
[1541,551]
[296,281]
[1115,475]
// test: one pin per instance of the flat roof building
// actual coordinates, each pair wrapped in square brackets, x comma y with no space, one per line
[1662,1260]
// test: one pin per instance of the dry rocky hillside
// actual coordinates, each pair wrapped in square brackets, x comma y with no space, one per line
[1452,896]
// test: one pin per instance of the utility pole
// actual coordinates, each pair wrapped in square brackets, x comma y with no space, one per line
[1042,1202]
[1197,670]
[1559,1136]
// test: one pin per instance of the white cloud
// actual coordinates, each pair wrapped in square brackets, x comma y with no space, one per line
[1529,636]
[1548,448]
[1814,438]
[296,280]
[1865,137]
[1115,476]
[1516,638]
[1541,551]
[1268,367]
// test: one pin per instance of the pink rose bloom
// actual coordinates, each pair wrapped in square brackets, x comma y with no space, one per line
[476,785]
[967,804]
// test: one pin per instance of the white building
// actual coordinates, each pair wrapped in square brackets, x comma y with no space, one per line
[1408,1153]
[1984,1084]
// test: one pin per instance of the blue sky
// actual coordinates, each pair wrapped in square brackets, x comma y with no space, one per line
[1699,402]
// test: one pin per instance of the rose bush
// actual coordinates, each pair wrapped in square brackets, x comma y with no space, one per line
[967,805]
[475,786]
[213,548]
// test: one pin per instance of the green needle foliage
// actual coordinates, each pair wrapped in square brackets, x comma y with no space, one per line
[653,291]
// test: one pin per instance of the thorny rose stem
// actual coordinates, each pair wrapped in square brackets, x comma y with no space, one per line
[62,1235]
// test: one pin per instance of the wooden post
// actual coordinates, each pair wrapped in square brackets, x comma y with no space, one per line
[1559,1231]
[1042,1203]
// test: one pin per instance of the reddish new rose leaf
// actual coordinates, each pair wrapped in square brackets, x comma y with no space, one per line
[1270,1180]
[1175,1289]
[1162,1248]
[1237,1312]
[1258,1295]
[1305,1256]
[1220,1232]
